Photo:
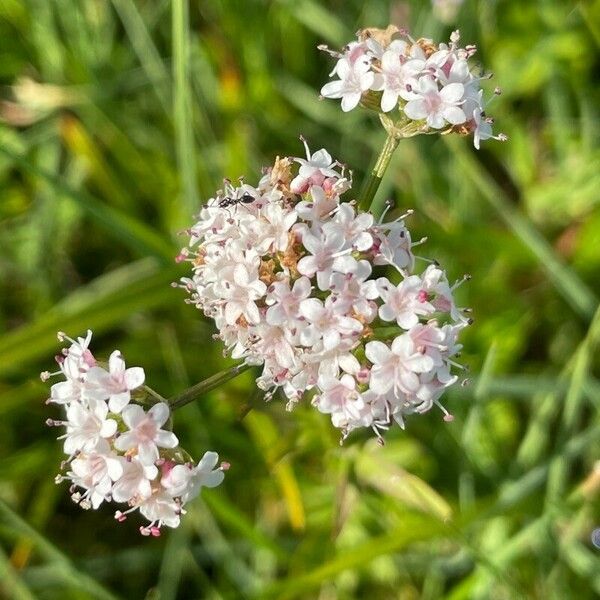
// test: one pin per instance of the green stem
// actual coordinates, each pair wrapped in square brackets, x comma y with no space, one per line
[206,385]
[153,396]
[383,160]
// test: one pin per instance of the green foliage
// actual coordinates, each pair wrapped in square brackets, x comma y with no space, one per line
[117,119]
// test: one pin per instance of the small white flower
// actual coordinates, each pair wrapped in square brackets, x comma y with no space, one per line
[324,323]
[77,358]
[185,481]
[274,346]
[353,228]
[325,255]
[354,292]
[66,392]
[116,385]
[284,302]
[94,472]
[241,293]
[278,222]
[318,207]
[394,248]
[341,399]
[160,509]
[396,72]
[135,482]
[355,79]
[403,303]
[145,434]
[434,105]
[396,367]
[86,426]
[314,170]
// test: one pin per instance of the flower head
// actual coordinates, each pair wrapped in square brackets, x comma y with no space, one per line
[127,457]
[306,304]
[419,86]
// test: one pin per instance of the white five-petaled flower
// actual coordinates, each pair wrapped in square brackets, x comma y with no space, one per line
[94,472]
[185,481]
[115,385]
[354,79]
[145,435]
[241,293]
[325,255]
[160,508]
[313,170]
[284,303]
[396,72]
[87,425]
[436,106]
[326,324]
[135,482]
[353,228]
[404,303]
[396,367]
[341,399]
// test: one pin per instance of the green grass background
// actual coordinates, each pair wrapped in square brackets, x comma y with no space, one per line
[117,119]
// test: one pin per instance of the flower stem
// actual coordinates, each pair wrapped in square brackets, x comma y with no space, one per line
[206,385]
[153,395]
[383,160]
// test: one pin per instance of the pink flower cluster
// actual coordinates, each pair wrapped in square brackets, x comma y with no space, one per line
[325,298]
[421,85]
[116,450]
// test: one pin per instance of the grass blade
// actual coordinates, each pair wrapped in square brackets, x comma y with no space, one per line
[182,108]
[52,554]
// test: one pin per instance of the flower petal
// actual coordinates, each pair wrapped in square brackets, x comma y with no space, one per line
[208,461]
[134,377]
[159,413]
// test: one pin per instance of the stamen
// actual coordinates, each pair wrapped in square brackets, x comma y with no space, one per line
[303,140]
[419,242]
[448,417]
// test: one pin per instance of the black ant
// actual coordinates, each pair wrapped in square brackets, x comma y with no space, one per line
[227,201]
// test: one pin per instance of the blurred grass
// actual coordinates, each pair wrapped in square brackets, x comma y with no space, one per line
[118,118]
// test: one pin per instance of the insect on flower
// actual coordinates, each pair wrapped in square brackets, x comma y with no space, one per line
[227,201]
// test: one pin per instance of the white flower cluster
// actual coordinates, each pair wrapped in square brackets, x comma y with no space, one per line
[423,86]
[118,451]
[289,273]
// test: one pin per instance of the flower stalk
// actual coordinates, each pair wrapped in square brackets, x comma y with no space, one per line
[206,386]
[373,182]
